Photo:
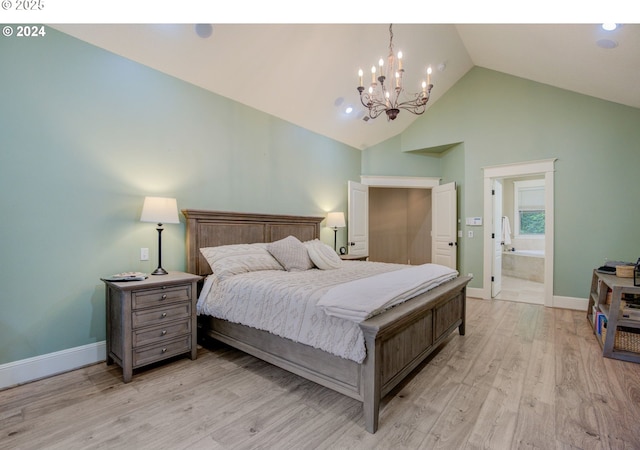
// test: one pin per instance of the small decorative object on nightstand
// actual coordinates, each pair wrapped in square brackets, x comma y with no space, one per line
[150,320]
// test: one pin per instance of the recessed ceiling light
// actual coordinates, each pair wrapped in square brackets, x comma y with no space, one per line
[606,43]
[609,26]
[349,109]
[204,30]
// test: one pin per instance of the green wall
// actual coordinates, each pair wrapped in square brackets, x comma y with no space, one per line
[85,135]
[503,119]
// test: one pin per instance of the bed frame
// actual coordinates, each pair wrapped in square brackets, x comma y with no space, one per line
[397,341]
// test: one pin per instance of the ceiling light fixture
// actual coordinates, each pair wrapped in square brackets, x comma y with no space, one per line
[381,97]
[609,26]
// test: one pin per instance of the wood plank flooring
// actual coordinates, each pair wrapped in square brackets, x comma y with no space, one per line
[523,376]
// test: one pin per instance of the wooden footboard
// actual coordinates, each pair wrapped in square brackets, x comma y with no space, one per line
[401,338]
[397,341]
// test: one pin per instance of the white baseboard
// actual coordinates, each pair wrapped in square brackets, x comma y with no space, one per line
[475,292]
[579,304]
[31,369]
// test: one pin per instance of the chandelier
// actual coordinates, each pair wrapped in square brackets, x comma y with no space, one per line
[391,97]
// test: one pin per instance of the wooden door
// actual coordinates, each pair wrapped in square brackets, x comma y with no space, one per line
[444,225]
[358,216]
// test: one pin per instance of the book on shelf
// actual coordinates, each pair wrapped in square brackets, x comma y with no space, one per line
[601,321]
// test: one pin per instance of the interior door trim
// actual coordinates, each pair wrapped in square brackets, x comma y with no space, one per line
[546,167]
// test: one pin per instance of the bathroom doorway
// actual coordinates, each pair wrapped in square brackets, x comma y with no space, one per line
[522,238]
[513,287]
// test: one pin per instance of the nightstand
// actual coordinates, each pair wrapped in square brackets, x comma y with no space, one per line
[354,257]
[150,320]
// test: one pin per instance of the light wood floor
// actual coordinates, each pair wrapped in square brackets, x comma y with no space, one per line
[521,290]
[523,377]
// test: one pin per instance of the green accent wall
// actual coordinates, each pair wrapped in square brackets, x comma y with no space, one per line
[85,135]
[501,119]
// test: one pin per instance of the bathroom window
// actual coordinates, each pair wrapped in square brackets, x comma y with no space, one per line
[529,207]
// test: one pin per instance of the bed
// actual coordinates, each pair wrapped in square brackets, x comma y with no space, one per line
[396,341]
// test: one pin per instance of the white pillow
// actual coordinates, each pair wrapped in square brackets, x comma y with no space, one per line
[291,253]
[322,255]
[229,260]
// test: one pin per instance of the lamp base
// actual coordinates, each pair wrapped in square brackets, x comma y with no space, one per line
[159,271]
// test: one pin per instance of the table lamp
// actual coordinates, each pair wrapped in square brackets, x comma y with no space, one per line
[335,220]
[159,210]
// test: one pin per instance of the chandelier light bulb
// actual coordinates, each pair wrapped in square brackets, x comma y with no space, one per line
[360,73]
[400,60]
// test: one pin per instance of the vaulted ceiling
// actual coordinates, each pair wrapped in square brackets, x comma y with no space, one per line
[307,74]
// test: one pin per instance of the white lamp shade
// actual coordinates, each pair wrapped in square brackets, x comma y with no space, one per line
[160,210]
[336,220]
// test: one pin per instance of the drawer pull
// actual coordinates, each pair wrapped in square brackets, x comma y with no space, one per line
[164,314]
[164,296]
[164,350]
[163,332]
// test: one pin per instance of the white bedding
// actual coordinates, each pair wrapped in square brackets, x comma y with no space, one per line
[285,303]
[360,299]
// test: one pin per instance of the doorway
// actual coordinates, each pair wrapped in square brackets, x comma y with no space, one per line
[542,170]
[400,225]
[443,215]
[519,206]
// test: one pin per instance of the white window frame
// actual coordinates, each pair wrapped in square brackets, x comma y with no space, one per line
[517,185]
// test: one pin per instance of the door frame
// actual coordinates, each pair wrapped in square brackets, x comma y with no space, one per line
[541,167]
[400,182]
[390,181]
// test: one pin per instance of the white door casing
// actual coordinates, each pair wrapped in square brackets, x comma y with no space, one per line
[444,225]
[545,167]
[496,270]
[358,217]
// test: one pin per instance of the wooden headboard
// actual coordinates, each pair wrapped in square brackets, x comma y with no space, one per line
[214,228]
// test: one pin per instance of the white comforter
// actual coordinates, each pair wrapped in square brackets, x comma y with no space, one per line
[285,304]
[360,299]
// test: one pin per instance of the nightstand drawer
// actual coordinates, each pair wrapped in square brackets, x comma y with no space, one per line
[146,336]
[146,355]
[157,316]
[159,296]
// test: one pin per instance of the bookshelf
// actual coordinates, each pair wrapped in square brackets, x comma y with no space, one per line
[613,331]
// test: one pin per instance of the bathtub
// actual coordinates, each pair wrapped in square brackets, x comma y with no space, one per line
[525,264]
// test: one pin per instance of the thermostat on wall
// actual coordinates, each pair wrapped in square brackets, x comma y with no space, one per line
[474,221]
